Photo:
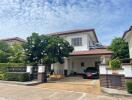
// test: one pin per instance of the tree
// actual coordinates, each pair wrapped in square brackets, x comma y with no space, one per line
[17,54]
[46,49]
[119,48]
[57,48]
[34,49]
[4,52]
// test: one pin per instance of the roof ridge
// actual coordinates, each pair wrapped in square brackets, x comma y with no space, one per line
[75,31]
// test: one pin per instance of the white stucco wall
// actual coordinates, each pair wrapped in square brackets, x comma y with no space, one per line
[88,62]
[86,38]
[58,68]
[102,69]
[126,71]
[128,39]
[130,47]
[74,65]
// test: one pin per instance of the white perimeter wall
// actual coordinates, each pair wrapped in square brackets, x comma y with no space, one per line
[126,70]
[128,39]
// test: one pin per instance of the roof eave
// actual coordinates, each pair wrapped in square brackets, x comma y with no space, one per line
[73,32]
[125,33]
[90,54]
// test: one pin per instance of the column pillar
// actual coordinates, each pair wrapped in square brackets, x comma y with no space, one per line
[65,66]
[29,69]
[52,69]
[103,60]
[41,73]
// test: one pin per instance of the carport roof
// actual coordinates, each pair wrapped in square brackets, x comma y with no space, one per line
[92,52]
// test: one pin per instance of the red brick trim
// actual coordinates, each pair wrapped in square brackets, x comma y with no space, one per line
[105,81]
[128,77]
[112,74]
[126,64]
[92,54]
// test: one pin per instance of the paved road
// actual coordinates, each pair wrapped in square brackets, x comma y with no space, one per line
[15,92]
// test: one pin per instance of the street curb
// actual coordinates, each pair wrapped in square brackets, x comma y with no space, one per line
[31,83]
[106,91]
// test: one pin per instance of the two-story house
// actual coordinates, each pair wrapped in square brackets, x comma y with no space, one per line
[127,36]
[87,52]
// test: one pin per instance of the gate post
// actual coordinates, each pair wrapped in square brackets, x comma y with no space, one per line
[41,73]
[29,69]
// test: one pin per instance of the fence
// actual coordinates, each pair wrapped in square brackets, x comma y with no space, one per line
[115,78]
[16,69]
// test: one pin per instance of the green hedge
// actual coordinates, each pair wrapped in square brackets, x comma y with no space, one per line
[17,76]
[4,65]
[129,86]
[11,65]
[115,64]
[2,71]
[1,76]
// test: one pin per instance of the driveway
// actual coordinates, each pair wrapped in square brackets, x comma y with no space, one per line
[15,92]
[76,84]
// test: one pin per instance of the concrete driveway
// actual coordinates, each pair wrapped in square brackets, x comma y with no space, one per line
[15,92]
[77,84]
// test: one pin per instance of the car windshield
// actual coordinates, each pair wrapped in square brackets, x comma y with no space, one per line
[91,69]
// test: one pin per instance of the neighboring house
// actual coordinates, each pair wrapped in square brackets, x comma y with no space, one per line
[117,78]
[14,40]
[127,36]
[87,52]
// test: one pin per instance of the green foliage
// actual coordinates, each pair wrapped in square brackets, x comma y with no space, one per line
[17,76]
[119,48]
[4,65]
[129,86]
[17,54]
[46,49]
[4,52]
[11,53]
[115,64]
[1,75]
[56,49]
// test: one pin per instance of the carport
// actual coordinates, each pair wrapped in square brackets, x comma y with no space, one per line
[80,60]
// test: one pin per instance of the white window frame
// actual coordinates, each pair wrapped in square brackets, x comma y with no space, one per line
[76,41]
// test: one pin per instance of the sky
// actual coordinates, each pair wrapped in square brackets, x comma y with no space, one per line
[109,18]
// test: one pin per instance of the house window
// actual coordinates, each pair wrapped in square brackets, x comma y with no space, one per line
[76,41]
[82,64]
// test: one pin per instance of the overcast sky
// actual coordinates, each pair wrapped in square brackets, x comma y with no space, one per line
[110,18]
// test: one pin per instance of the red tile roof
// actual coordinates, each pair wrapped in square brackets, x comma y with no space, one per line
[92,52]
[125,33]
[75,31]
[15,38]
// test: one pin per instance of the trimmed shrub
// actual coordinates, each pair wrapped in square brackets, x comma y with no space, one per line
[2,71]
[11,65]
[1,76]
[17,76]
[115,64]
[129,86]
